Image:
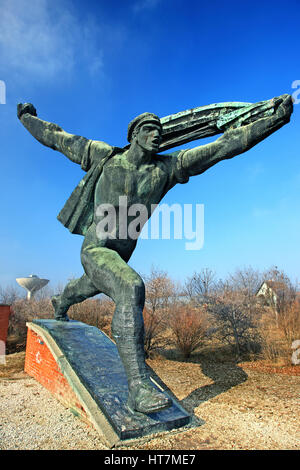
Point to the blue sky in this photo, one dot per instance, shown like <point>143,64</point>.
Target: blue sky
<point>93,66</point>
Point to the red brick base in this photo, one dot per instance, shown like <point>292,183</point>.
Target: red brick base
<point>40,364</point>
<point>4,321</point>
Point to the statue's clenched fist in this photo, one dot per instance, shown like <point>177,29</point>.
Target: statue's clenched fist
<point>285,108</point>
<point>25,108</point>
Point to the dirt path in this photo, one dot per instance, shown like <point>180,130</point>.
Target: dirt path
<point>241,408</point>
<point>237,408</point>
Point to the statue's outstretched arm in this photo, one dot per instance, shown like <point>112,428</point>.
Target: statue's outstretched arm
<point>52,135</point>
<point>236,141</point>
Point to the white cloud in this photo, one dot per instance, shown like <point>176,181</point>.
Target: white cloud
<point>140,5</point>
<point>44,38</point>
<point>261,212</point>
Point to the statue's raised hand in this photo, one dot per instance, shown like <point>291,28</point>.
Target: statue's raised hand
<point>285,108</point>
<point>25,108</point>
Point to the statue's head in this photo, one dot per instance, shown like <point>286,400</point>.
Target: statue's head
<point>146,130</point>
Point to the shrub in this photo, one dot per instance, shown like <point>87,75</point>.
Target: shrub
<point>189,327</point>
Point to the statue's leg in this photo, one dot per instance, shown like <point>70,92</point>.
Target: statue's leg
<point>112,276</point>
<point>76,291</point>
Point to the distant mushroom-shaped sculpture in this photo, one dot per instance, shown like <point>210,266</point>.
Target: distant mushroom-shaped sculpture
<point>32,284</point>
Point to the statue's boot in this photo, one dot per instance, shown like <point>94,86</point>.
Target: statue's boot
<point>77,290</point>
<point>60,310</point>
<point>143,396</point>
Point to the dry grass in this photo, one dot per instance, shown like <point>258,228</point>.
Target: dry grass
<point>14,365</point>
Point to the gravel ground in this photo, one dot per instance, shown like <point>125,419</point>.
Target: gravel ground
<point>238,408</point>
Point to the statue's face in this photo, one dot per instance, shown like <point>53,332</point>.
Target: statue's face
<point>149,137</point>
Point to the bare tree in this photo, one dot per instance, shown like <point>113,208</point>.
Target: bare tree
<point>235,326</point>
<point>289,322</point>
<point>25,311</point>
<point>160,291</point>
<point>246,280</point>
<point>9,294</point>
<point>200,286</point>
